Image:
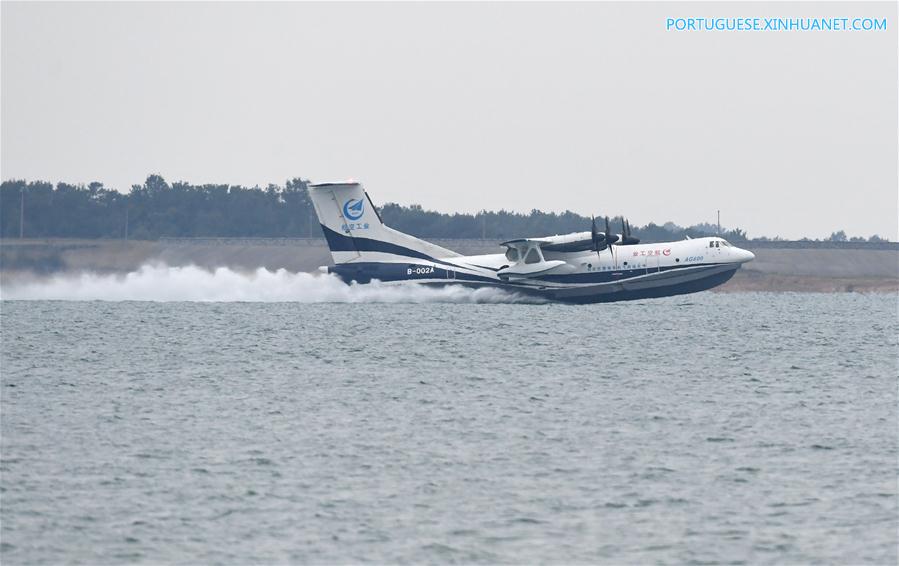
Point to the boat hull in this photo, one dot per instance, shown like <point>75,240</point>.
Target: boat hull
<point>637,285</point>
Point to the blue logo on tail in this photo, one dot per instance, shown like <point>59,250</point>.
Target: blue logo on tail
<point>353,209</point>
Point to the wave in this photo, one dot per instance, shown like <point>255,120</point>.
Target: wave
<point>161,283</point>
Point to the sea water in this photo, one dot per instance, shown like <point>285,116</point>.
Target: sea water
<point>297,420</point>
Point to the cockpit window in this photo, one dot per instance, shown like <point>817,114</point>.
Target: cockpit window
<point>532,257</point>
<point>711,244</point>
<point>512,254</point>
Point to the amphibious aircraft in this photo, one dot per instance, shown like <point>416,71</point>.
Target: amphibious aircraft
<point>584,267</point>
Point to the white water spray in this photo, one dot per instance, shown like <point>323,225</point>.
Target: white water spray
<point>161,283</point>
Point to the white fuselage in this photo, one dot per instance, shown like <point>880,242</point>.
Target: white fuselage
<point>646,257</point>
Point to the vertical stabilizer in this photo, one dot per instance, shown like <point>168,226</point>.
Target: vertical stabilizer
<point>355,232</point>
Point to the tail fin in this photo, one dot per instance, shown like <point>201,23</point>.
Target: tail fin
<point>355,232</point>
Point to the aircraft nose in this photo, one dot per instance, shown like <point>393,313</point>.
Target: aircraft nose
<point>746,255</point>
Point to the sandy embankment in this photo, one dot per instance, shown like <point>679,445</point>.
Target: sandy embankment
<point>778,267</point>
<point>823,270</point>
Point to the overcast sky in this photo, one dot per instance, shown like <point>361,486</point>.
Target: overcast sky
<point>460,107</point>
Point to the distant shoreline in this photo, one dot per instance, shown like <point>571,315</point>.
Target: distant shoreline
<point>782,266</point>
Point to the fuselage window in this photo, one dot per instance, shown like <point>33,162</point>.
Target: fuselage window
<point>532,257</point>
<point>512,254</point>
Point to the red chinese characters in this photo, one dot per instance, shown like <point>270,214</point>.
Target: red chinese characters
<point>666,251</point>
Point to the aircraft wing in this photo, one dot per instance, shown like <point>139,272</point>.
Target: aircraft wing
<point>576,242</point>
<point>525,243</point>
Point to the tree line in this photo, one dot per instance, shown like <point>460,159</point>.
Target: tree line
<point>157,209</point>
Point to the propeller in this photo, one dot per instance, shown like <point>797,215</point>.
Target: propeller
<point>610,237</point>
<point>602,240</point>
<point>599,242</point>
<point>605,240</point>
<point>626,238</point>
